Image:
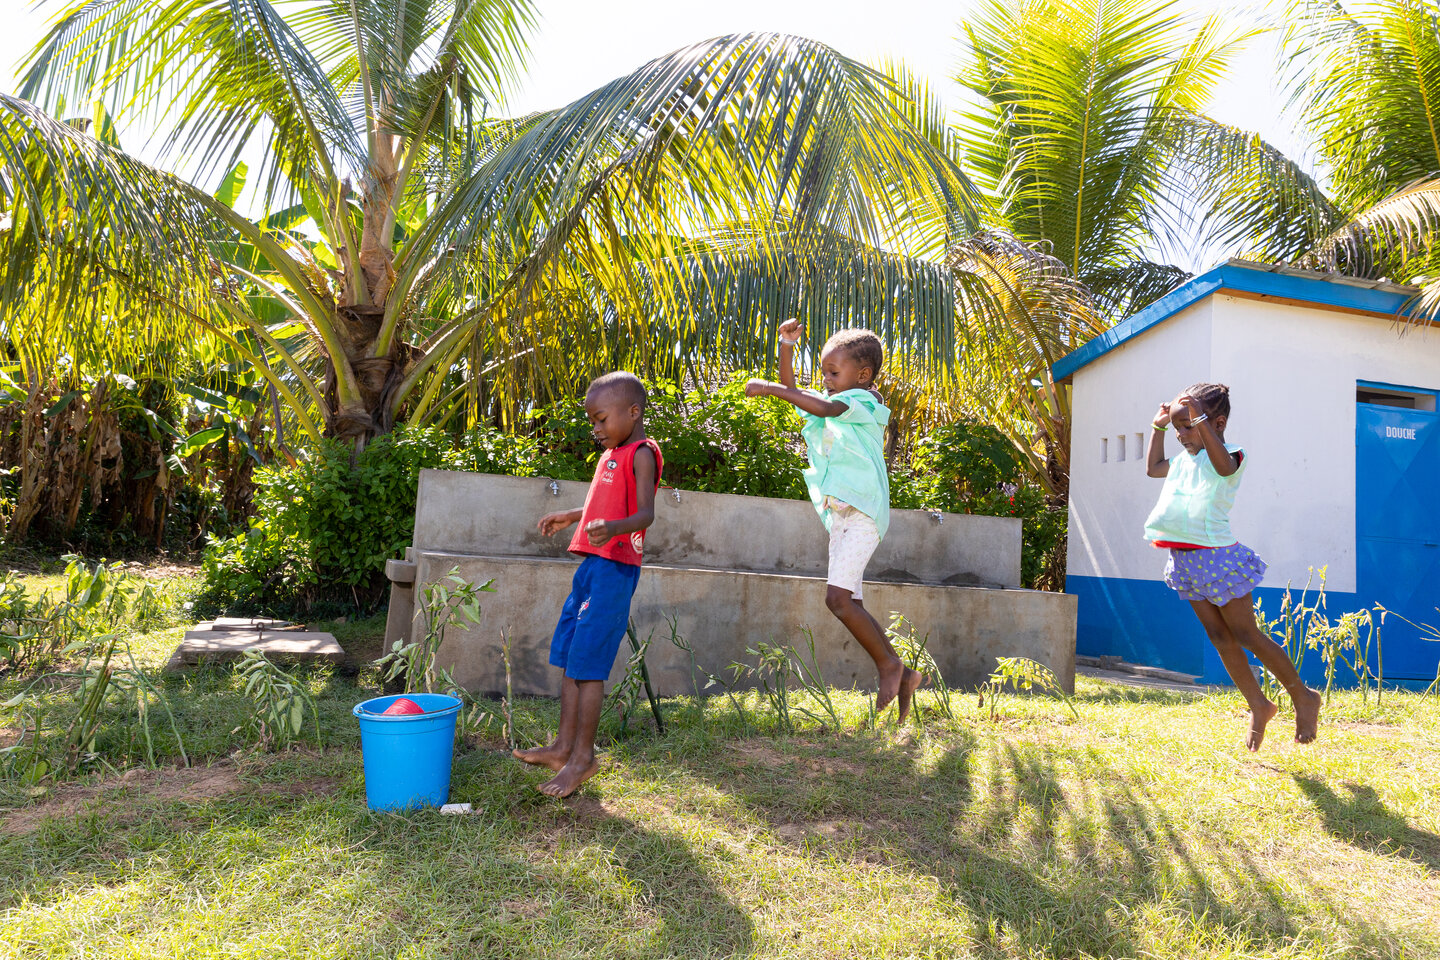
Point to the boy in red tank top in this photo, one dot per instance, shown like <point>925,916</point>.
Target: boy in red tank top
<point>611,538</point>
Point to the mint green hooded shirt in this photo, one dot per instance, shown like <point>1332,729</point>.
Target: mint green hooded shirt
<point>847,457</point>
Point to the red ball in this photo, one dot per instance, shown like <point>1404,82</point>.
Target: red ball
<point>402,706</point>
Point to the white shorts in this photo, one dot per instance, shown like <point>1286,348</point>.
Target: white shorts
<point>853,539</point>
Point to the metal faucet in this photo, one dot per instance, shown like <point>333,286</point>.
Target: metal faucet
<point>937,516</point>
<point>554,488</point>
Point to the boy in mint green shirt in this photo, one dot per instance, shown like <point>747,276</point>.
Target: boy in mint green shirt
<point>845,438</point>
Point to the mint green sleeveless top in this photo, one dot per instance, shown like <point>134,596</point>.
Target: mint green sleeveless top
<point>1195,502</point>
<point>847,457</point>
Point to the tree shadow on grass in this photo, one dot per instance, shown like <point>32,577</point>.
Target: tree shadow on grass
<point>1362,821</point>
<point>617,884</point>
<point>694,917</point>
<point>1052,854</point>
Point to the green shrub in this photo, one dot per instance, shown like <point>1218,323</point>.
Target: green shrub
<point>724,442</point>
<point>324,528</point>
<point>969,467</point>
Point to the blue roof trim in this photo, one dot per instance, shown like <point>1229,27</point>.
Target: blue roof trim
<point>1311,289</point>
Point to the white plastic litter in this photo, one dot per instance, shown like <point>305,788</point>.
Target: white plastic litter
<point>455,808</point>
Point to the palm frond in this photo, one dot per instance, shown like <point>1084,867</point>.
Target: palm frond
<point>1076,99</point>
<point>1368,79</point>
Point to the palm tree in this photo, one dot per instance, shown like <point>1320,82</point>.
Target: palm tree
<point>1368,79</point>
<point>422,256</point>
<point>1088,135</point>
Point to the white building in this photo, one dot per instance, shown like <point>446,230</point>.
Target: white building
<point>1334,403</point>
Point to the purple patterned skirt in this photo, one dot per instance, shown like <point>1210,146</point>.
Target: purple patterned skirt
<point>1216,574</point>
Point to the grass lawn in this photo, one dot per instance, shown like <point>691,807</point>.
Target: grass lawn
<point>1142,829</point>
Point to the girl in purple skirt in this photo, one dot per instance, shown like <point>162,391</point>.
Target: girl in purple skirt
<point>1208,566</point>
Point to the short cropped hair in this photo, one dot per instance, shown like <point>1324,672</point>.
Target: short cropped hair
<point>1214,398</point>
<point>862,346</point>
<point>628,385</point>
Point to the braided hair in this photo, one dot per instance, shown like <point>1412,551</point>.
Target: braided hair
<point>1214,398</point>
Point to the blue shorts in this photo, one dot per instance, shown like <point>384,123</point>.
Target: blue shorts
<point>594,618</point>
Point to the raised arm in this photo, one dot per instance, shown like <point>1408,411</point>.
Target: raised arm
<point>789,336</point>
<point>809,402</point>
<point>786,389</point>
<point>1156,463</point>
<point>1221,459</point>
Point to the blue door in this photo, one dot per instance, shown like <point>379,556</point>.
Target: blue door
<point>1397,528</point>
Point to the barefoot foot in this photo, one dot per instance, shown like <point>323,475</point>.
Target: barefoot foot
<point>552,756</point>
<point>568,780</point>
<point>889,685</point>
<point>1307,714</point>
<point>912,680</point>
<point>1259,716</point>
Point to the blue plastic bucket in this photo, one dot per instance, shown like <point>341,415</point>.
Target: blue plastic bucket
<point>407,756</point>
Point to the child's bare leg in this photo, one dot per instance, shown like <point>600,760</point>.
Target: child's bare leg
<point>581,764</point>
<point>872,639</point>
<point>1239,615</point>
<point>555,754</point>
<point>1232,654</point>
<point>910,681</point>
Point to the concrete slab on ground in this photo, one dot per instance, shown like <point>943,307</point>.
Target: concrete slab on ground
<point>246,623</point>
<point>1137,680</point>
<point>202,645</point>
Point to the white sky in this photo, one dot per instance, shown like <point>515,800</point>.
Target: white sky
<point>580,44</point>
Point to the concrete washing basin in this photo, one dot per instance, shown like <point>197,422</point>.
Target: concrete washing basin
<point>733,571</point>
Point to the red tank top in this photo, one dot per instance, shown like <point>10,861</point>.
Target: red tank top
<point>612,497</point>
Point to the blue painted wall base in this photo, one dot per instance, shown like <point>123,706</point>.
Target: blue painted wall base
<point>1144,621</point>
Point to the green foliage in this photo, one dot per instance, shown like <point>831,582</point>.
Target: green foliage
<point>451,601</point>
<point>722,442</point>
<point>280,702</point>
<point>1353,641</point>
<point>108,678</point>
<point>914,650</point>
<point>625,696</point>
<point>97,597</point>
<point>324,527</point>
<point>1021,674</point>
<point>969,467</point>
<point>778,668</point>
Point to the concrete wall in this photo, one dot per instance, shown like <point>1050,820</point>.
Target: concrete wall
<point>720,613</point>
<point>483,513</point>
<point>735,571</point>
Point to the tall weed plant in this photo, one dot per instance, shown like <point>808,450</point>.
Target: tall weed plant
<point>95,597</point>
<point>1349,647</point>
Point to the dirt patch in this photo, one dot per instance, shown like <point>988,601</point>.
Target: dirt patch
<point>527,907</point>
<point>759,754</point>
<point>162,569</point>
<point>588,808</point>
<point>826,829</point>
<point>169,784</point>
<point>830,766</point>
